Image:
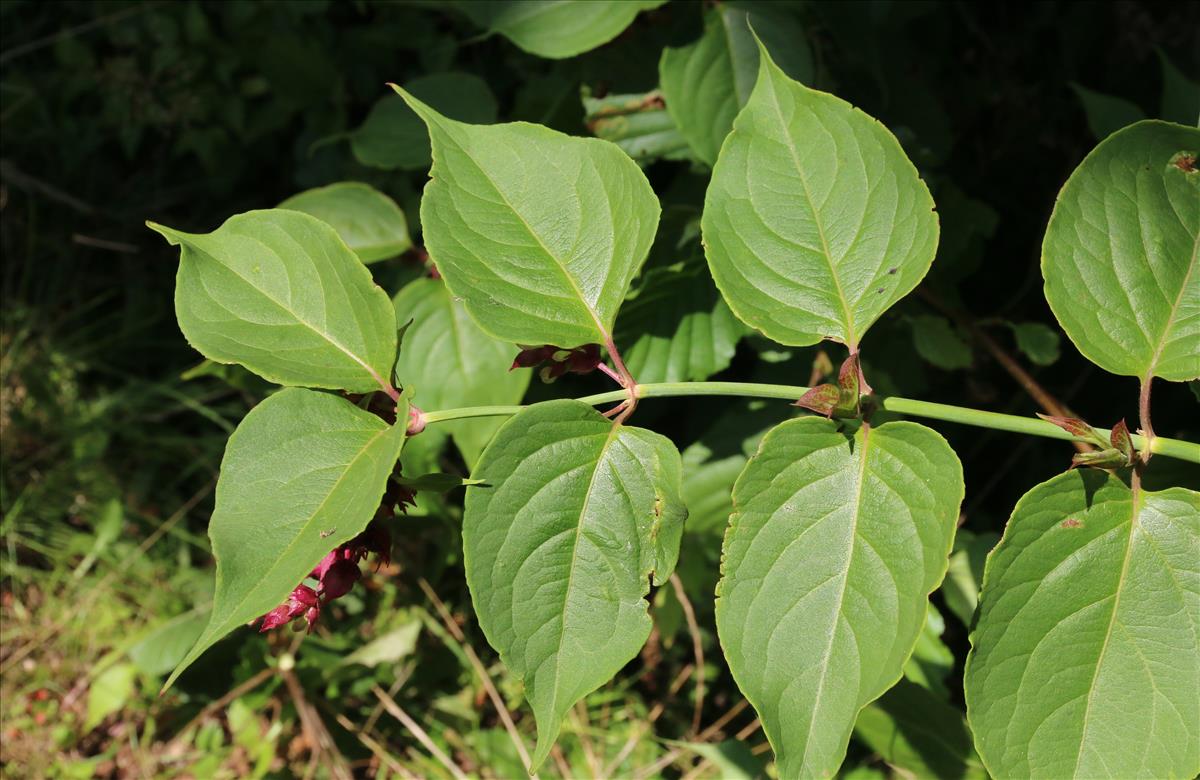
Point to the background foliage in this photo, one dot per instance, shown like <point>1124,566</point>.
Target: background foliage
<point>187,112</point>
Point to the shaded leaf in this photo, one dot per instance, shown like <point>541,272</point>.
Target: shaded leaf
<point>370,223</point>
<point>450,362</point>
<point>557,29</point>
<point>918,733</point>
<point>1038,342</point>
<point>639,124</point>
<point>393,136</point>
<point>938,342</point>
<point>109,692</point>
<point>677,327</point>
<point>964,578</point>
<point>1106,114</point>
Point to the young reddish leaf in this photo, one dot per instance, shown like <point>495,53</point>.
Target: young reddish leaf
<point>822,399</point>
<point>1119,437</point>
<point>848,387</point>
<point>1077,427</point>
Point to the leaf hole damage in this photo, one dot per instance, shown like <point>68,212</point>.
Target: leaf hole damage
<point>1185,161</point>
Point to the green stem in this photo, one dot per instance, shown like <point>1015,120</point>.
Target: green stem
<point>1172,448</point>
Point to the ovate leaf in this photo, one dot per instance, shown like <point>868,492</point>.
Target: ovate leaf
<point>303,473</point>
<point>560,547</point>
<point>918,733</point>
<point>938,342</point>
<point>538,233</point>
<point>706,82</point>
<point>678,327</point>
<point>557,29</point>
<point>280,293</point>
<point>1120,254</point>
<point>1085,660</point>
<point>1038,342</point>
<point>392,136</point>
<point>450,363</point>
<point>370,223</point>
<point>834,546</point>
<point>815,222</point>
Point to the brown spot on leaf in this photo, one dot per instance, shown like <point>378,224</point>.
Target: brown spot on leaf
<point>1071,522</point>
<point>1185,161</point>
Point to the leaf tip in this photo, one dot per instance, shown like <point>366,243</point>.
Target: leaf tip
<point>174,237</point>
<point>427,113</point>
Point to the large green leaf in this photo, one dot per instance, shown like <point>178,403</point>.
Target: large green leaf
<point>392,136</point>
<point>559,547</point>
<point>1085,660</point>
<point>815,222</point>
<point>918,733</point>
<point>450,362</point>
<point>280,293</point>
<point>834,546</point>
<point>1120,257</point>
<point>537,232</point>
<point>706,82</point>
<point>370,223</point>
<point>678,327</point>
<point>303,473</point>
<point>557,29</point>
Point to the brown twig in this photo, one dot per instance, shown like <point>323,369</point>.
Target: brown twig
<point>1050,405</point>
<point>481,671</point>
<point>704,736</point>
<point>655,713</point>
<point>376,749</point>
<point>414,728</point>
<point>689,615</point>
<point>315,733</point>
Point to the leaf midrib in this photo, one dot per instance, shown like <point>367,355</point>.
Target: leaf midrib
<point>851,342</point>
<point>853,535</point>
<point>1171,321</point>
<point>287,549</point>
<point>1135,508</point>
<point>559,264</point>
<point>334,342</point>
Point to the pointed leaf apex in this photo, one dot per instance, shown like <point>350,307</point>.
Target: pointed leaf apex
<point>174,237</point>
<point>427,113</point>
<point>1077,427</point>
<point>1121,441</point>
<point>822,399</point>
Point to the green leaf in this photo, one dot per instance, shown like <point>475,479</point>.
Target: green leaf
<point>393,136</point>
<point>733,759</point>
<point>1120,254</point>
<point>303,473</point>
<point>815,222</point>
<point>280,293</point>
<point>450,362</point>
<point>1106,114</point>
<point>964,578</point>
<point>1180,95</point>
<point>1085,660</point>
<point>708,81</point>
<point>833,548</point>
<point>164,647</point>
<point>1039,343</point>
<point>918,733</point>
<point>538,233</point>
<point>557,29</point>
<point>436,483</point>
<point>638,124</point>
<point>677,327</point>
<point>370,223</point>
<point>560,548</point>
<point>938,342</point>
<point>389,647</point>
<point>109,692</point>
<point>931,661</point>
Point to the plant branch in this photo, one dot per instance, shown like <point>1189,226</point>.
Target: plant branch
<point>1031,426</point>
<point>1147,430</point>
<point>1050,405</point>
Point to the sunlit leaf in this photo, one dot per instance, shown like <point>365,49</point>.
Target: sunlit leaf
<point>834,545</point>
<point>1120,254</point>
<point>1085,660</point>
<point>280,293</point>
<point>560,547</point>
<point>815,222</point>
<point>370,223</point>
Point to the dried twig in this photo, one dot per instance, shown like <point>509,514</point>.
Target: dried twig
<point>689,615</point>
<point>414,728</point>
